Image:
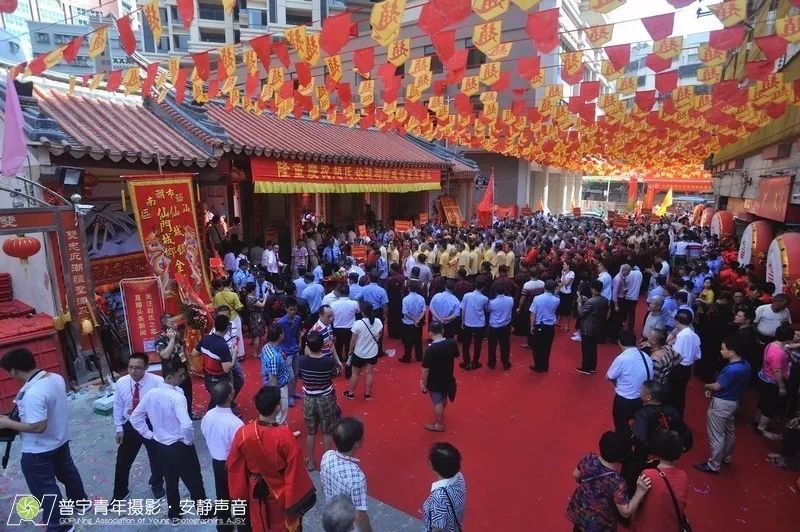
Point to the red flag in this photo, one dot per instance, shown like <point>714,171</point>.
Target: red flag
<point>727,38</point>
<point>773,46</point>
<point>502,82</point>
<point>633,188</point>
<point>518,107</point>
<point>71,50</point>
<point>439,86</point>
<point>587,112</point>
<point>37,65</point>
<point>656,63</point>
<point>454,77</point>
<point>202,65</point>
<point>386,72</point>
<point>364,59</point>
<point>303,73</point>
<point>114,80</point>
<point>619,55</point>
<point>462,104</point>
<point>180,85</point>
<point>445,43</point>
<point>759,70</point>
<point>660,26</point>
<point>666,81</point>
<point>126,37</point>
<point>260,46</point>
<point>147,84</point>
<point>590,90</point>
<point>430,21</point>
<point>345,96</point>
<point>281,52</point>
<point>677,4</point>
<point>457,62</point>
<point>487,202</point>
<point>250,85</point>
<point>335,33</point>
<point>645,100</point>
<point>542,28</point>
<point>213,88</point>
<point>528,67</point>
<point>775,110</point>
<point>453,11</point>
<point>186,12</point>
<point>287,89</point>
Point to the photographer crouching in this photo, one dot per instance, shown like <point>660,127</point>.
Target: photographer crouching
<point>42,427</point>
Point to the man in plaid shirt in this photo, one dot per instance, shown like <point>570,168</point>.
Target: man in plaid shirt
<point>340,472</point>
<point>274,370</point>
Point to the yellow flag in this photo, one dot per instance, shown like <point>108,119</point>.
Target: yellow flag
<point>153,16</point>
<point>131,80</point>
<point>668,48</point>
<point>599,35</point>
<point>489,9</point>
<point>228,5</point>
<point>97,44</point>
<point>486,36</point>
<point>605,6</point>
<point>227,60</point>
<point>661,210</point>
<point>385,20</point>
<point>312,51</point>
<point>250,59</point>
<point>96,80</point>
<point>499,52</point>
<point>525,5</point>
<point>297,38</point>
<point>730,12</point>
<point>788,28</point>
<point>334,65</point>
<point>399,51</point>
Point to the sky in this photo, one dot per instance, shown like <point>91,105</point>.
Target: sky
<point>686,21</point>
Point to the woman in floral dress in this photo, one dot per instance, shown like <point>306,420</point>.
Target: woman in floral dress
<point>255,308</point>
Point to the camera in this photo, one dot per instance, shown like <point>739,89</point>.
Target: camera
<point>8,435</point>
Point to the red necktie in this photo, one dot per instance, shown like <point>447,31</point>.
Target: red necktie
<point>135,402</point>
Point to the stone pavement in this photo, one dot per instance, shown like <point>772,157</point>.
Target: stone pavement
<point>94,452</point>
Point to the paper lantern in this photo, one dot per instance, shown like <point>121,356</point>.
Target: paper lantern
<point>697,214</point>
<point>21,247</point>
<point>8,6</point>
<point>722,225</point>
<point>756,239</point>
<point>783,268</point>
<point>708,214</point>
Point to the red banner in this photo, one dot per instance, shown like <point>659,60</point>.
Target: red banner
<point>359,253</point>
<point>362,230</point>
<point>280,176</point>
<point>143,306</point>
<point>402,226</point>
<point>773,199</point>
<point>164,207</point>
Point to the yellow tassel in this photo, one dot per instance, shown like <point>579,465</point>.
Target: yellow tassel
<point>124,205</point>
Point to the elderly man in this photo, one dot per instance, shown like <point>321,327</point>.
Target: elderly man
<point>655,318</point>
<point>339,515</point>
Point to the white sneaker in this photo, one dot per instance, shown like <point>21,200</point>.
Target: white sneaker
<point>576,337</point>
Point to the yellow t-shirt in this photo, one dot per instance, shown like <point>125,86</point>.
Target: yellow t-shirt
<point>230,299</point>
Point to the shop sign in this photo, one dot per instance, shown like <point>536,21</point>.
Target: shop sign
<point>773,198</point>
<point>402,226</point>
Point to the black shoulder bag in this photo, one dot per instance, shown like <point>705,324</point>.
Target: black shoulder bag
<point>644,361</point>
<point>683,523</point>
<point>380,346</point>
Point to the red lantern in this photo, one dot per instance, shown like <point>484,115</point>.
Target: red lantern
<point>8,6</point>
<point>21,247</point>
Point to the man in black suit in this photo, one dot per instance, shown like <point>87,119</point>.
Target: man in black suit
<point>593,312</point>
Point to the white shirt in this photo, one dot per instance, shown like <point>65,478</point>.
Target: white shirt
<point>767,320</point>
<point>605,278</point>
<point>629,372</point>
<point>341,475</point>
<point>633,284</point>
<point>165,407</point>
<point>356,269</point>
<point>344,312</point>
<point>269,260</point>
<point>230,262</point>
<point>219,426</point>
<point>567,277</point>
<point>687,345</point>
<point>123,395</point>
<point>366,344</point>
<point>409,265</point>
<point>329,298</point>
<point>664,269</point>
<point>43,398</point>
<point>680,247</point>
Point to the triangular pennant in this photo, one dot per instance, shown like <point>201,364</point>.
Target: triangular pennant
<point>657,63</point>
<point>71,50</point>
<point>281,50</point>
<point>335,33</point>
<point>203,65</point>
<point>261,46</point>
<point>127,39</point>
<point>729,38</point>
<point>186,12</point>
<point>452,11</point>
<point>618,55</point>
<point>660,26</point>
<point>542,28</point>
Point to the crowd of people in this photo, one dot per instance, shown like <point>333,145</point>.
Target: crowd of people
<point>318,314</point>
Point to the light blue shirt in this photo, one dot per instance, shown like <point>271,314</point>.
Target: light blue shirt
<point>474,307</point>
<point>241,278</point>
<point>356,269</point>
<point>629,371</point>
<point>669,309</point>
<point>545,307</point>
<point>500,309</point>
<point>375,296</point>
<point>355,291</point>
<point>445,304</point>
<point>300,283</point>
<point>657,291</point>
<point>314,293</point>
<point>413,308</point>
<point>383,268</point>
<point>605,278</point>
<point>317,273</point>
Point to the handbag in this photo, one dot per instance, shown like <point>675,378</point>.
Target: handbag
<point>380,347</point>
<point>683,523</point>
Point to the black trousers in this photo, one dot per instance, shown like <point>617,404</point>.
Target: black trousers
<point>623,411</point>
<point>222,494</point>
<point>451,328</point>
<point>678,379</point>
<point>412,340</point>
<point>627,311</point>
<point>342,343</point>
<point>179,461</point>
<point>186,386</point>
<point>501,335</point>
<point>541,341</point>
<point>467,336</point>
<point>127,452</point>
<point>588,352</point>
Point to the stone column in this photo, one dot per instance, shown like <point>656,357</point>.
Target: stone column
<point>545,191</point>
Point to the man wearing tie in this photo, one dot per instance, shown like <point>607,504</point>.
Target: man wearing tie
<point>128,394</point>
<point>219,426</point>
<point>413,315</point>
<point>173,434</point>
<point>543,321</point>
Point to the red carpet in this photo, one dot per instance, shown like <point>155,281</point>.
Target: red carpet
<point>521,435</point>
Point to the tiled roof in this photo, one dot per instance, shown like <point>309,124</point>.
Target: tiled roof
<point>462,166</point>
<point>107,126</point>
<point>305,139</point>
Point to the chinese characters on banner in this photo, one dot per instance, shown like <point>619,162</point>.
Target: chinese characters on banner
<point>359,253</point>
<point>143,306</point>
<point>164,207</point>
<point>402,226</point>
<point>76,266</point>
<point>452,212</point>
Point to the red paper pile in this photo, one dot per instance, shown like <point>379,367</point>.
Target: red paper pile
<point>6,293</point>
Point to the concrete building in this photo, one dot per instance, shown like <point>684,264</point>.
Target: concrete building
<point>16,23</point>
<point>212,27</point>
<point>44,37</point>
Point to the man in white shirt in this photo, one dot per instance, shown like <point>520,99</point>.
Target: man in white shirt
<point>42,426</point>
<point>770,317</point>
<point>687,345</point>
<point>271,261</point>
<point>604,277</point>
<point>632,287</point>
<point>628,371</point>
<point>344,317</point>
<point>340,472</point>
<point>219,426</point>
<point>128,393</point>
<point>173,433</point>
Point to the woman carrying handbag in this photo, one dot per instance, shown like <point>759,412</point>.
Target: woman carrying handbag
<point>364,350</point>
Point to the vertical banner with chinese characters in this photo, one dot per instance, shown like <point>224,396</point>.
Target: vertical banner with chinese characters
<point>143,305</point>
<point>164,207</point>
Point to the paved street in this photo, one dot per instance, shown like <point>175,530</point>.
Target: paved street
<point>93,449</point>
